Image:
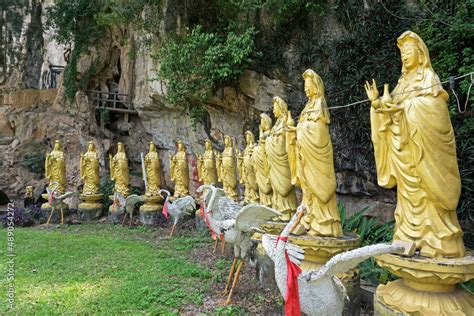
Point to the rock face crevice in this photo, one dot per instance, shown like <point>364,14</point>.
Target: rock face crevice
<point>122,64</point>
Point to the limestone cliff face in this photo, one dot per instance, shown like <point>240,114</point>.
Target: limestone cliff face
<point>40,116</point>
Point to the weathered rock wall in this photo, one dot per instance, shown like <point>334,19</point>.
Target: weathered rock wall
<point>124,66</point>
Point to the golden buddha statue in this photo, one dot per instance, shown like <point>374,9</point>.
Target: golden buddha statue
<point>228,170</point>
<point>89,170</point>
<point>415,151</point>
<point>180,171</point>
<point>247,170</point>
<point>55,168</point>
<point>261,167</point>
<point>284,196</point>
<point>153,171</point>
<point>119,170</point>
<point>311,160</point>
<point>207,165</point>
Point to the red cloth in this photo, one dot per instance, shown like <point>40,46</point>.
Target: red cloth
<point>292,299</point>
<point>165,209</point>
<point>206,219</point>
<point>50,200</point>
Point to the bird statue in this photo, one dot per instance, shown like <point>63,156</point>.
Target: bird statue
<point>239,232</point>
<point>56,200</point>
<point>129,206</point>
<point>317,292</point>
<point>179,208</point>
<point>217,210</point>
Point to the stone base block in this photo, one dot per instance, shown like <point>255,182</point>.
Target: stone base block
<point>90,211</point>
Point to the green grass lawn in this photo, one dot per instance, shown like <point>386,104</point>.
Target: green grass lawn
<point>103,269</point>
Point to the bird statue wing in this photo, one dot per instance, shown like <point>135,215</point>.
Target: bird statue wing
<point>253,215</point>
<point>185,204</point>
<point>269,243</point>
<point>130,202</point>
<point>228,224</point>
<point>67,195</point>
<point>350,259</point>
<point>228,208</point>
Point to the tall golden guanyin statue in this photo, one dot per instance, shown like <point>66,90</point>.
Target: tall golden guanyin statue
<point>247,170</point>
<point>180,171</point>
<point>153,171</point>
<point>89,170</point>
<point>228,173</point>
<point>311,160</point>
<point>119,171</point>
<point>284,196</point>
<point>55,168</point>
<point>261,167</point>
<point>207,165</point>
<point>415,151</point>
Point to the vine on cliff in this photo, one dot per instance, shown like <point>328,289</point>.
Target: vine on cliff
<point>195,64</point>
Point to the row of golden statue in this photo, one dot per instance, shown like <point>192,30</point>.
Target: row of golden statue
<point>415,152</point>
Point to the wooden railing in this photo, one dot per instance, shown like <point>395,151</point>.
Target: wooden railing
<point>112,101</point>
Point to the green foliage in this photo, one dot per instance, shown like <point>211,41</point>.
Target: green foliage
<point>195,64</point>
<point>106,189</point>
<point>370,232</point>
<point>34,158</point>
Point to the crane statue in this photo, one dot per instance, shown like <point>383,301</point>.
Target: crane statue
<point>317,292</point>
<point>179,208</point>
<point>129,205</point>
<point>56,200</point>
<point>218,209</point>
<point>239,232</point>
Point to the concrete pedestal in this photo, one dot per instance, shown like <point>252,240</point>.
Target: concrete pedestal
<point>91,207</point>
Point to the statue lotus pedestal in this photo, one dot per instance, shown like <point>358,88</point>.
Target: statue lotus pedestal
<point>46,210</point>
<point>91,207</point>
<point>427,286</point>
<point>149,210</point>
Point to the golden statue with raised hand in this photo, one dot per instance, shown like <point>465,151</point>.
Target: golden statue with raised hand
<point>207,165</point>
<point>153,171</point>
<point>261,167</point>
<point>284,196</point>
<point>89,170</point>
<point>55,168</point>
<point>180,171</point>
<point>228,169</point>
<point>247,170</point>
<point>415,151</point>
<point>311,160</point>
<point>119,170</point>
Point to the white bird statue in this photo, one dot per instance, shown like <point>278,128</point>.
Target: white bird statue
<point>217,210</point>
<point>239,232</point>
<point>129,205</point>
<point>317,292</point>
<point>56,200</point>
<point>179,208</point>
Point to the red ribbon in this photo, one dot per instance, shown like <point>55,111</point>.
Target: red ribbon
<point>206,219</point>
<point>201,207</point>
<point>51,198</point>
<point>292,299</point>
<point>165,209</point>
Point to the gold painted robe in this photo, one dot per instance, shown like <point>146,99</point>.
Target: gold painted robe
<point>229,174</point>
<point>180,174</point>
<point>284,196</point>
<point>261,174</point>
<point>119,173</point>
<point>89,170</point>
<point>315,171</point>
<point>415,150</point>
<point>153,173</point>
<point>55,169</point>
<point>248,177</point>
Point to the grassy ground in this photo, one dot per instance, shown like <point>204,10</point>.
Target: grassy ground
<point>104,269</point>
